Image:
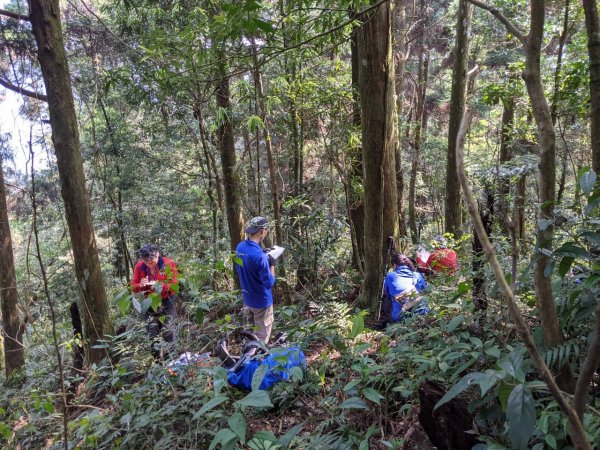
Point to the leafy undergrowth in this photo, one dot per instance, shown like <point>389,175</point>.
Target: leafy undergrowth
<point>360,389</point>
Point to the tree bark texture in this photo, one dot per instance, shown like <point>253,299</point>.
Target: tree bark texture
<point>12,325</point>
<point>356,200</point>
<point>592,24</point>
<point>401,55</point>
<point>231,179</point>
<point>547,167</point>
<point>46,27</point>
<point>453,215</point>
<point>376,90</point>
<point>508,119</point>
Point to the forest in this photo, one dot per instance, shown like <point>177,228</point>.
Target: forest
<point>361,136</point>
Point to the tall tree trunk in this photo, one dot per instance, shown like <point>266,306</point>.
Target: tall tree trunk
<point>420,124</point>
<point>401,52</point>
<point>272,176</point>
<point>592,25</point>
<point>12,326</point>
<point>547,166</point>
<point>453,215</point>
<point>231,179</point>
<point>508,119</point>
<point>46,27</point>
<point>355,196</point>
<point>376,82</point>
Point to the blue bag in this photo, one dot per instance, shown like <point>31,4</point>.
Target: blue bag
<point>277,371</point>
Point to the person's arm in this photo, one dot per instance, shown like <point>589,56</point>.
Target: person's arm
<point>266,272</point>
<point>139,280</point>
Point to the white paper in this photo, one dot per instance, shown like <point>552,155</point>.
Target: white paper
<point>275,251</point>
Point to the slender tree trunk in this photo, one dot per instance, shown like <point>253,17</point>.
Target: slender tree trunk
<point>46,27</point>
<point>272,176</point>
<point>401,52</point>
<point>420,125</point>
<point>453,212</point>
<point>355,196</point>
<point>376,81</point>
<point>231,179</point>
<point>508,118</point>
<point>592,24</point>
<point>547,166</point>
<point>12,325</point>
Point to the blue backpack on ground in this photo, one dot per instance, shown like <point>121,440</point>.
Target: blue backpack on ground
<point>278,364</point>
<point>278,361</point>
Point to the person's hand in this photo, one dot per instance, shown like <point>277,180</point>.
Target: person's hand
<point>144,281</point>
<point>271,260</point>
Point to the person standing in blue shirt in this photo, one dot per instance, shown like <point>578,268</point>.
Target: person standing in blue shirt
<point>257,277</point>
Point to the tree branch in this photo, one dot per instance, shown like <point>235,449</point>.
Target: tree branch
<point>586,374</point>
<point>576,430</point>
<point>22,91</point>
<point>13,15</point>
<point>507,23</point>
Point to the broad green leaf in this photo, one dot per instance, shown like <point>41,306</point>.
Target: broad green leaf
<point>146,304</point>
<point>210,405</point>
<point>354,403</point>
<point>587,181</point>
<point>592,237</point>
<point>124,304</point>
<point>551,441</point>
<point>520,413</point>
<point>358,326</point>
<point>572,250</point>
<point>455,322</point>
<point>225,437</point>
<point>351,384</point>
<point>503,393</point>
<point>465,382</point>
<point>237,423</point>
<point>372,395</point>
<point>258,376</point>
<point>565,265</point>
<point>287,438</point>
<point>257,399</point>
<point>296,373</point>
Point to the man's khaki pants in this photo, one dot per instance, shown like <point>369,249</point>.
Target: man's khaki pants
<point>262,319</point>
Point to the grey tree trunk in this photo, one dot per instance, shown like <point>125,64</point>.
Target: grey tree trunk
<point>376,91</point>
<point>12,325</point>
<point>453,215</point>
<point>46,27</point>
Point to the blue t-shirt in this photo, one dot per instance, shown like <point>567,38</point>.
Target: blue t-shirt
<point>256,279</point>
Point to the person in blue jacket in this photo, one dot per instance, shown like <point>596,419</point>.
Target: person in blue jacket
<point>402,287</point>
<point>257,277</point>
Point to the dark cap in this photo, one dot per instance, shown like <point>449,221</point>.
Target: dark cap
<point>257,224</point>
<point>148,251</point>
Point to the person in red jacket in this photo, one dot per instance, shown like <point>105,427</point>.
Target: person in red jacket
<point>442,259</point>
<point>155,273</point>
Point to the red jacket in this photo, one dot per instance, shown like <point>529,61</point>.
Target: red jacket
<point>165,272</point>
<point>443,260</point>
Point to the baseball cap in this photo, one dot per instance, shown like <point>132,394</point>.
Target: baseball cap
<point>256,224</point>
